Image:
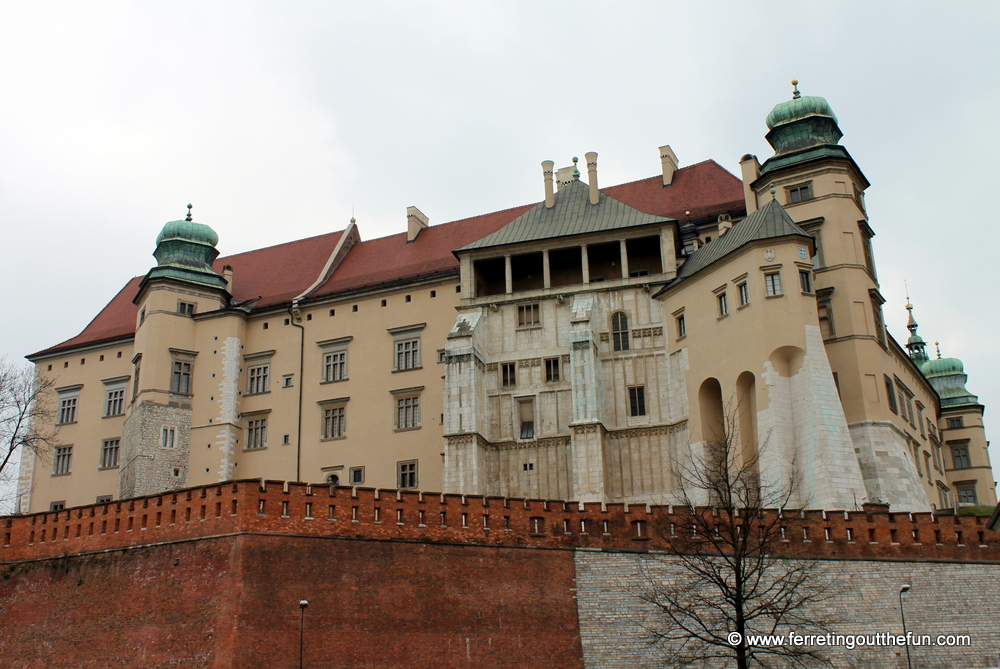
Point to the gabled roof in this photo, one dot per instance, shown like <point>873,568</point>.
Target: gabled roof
<point>391,259</point>
<point>768,222</point>
<point>277,274</point>
<point>703,189</point>
<point>572,214</point>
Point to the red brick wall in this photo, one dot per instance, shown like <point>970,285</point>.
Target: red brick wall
<point>274,508</point>
<point>232,603</point>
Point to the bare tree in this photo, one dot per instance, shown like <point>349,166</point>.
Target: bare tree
<point>26,416</point>
<point>723,574</point>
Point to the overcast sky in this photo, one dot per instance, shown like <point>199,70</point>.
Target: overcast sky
<point>277,120</point>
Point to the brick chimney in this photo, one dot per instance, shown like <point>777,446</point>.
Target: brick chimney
<point>668,160</point>
<point>550,198</point>
<point>415,222</point>
<point>595,195</point>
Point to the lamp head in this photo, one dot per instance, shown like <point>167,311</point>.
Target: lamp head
<point>304,603</point>
<point>904,588</point>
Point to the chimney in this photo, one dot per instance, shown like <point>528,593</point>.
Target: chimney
<point>668,160</point>
<point>415,222</point>
<point>550,197</point>
<point>595,195</point>
<point>725,222</point>
<point>227,274</point>
<point>749,171</point>
<point>567,175</point>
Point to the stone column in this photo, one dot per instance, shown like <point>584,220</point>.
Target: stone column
<point>508,277</point>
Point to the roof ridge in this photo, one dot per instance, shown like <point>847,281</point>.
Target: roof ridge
<point>679,169</point>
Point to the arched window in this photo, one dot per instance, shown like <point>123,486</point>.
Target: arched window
<point>619,331</point>
<point>333,479</point>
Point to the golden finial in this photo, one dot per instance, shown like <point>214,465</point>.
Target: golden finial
<point>937,345</point>
<point>795,89</point>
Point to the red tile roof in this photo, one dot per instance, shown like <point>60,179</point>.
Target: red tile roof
<point>705,189</point>
<point>279,273</point>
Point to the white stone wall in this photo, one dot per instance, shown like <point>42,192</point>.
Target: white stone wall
<point>229,427</point>
<point>805,434</point>
<point>887,466</point>
<point>146,467</point>
<point>946,598</point>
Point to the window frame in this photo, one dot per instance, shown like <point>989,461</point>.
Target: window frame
<point>960,460</point>
<point>407,347</point>
<point>62,460</point>
<point>552,371</point>
<point>110,451</point>
<point>334,359</point>
<point>406,409</point>
<point>620,341</point>
<point>508,374</point>
<point>801,192</point>
<point>69,404</point>
<point>743,290</point>
<point>407,474</point>
<point>353,475</point>
<point>637,401</point>
<point>333,425</point>
<point>182,372</point>
<point>772,284</point>
<point>185,308</point>
<point>259,379</point>
<point>255,432</point>
<point>529,315</point>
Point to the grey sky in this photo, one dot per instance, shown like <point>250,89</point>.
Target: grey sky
<point>275,119</point>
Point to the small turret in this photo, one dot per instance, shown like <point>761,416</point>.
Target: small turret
<point>915,344</point>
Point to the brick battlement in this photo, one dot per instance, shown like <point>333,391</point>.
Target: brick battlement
<point>277,508</point>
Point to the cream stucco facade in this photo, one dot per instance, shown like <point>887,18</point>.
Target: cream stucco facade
<point>578,349</point>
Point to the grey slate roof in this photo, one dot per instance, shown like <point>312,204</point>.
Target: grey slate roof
<point>768,222</point>
<point>572,214</point>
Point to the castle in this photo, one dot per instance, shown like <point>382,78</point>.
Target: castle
<point>602,336</point>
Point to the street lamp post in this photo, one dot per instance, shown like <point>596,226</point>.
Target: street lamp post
<point>302,626</point>
<point>902,589</point>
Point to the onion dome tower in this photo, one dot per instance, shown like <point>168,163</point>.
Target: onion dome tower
<point>184,252</point>
<point>948,377</point>
<point>802,129</point>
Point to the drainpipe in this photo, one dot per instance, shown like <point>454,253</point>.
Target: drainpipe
<point>294,312</point>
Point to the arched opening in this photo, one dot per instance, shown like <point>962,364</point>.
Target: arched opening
<point>787,360</point>
<point>746,410</point>
<point>619,331</point>
<point>713,425</point>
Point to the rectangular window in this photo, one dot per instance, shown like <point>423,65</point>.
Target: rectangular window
<point>527,315</point>
<point>744,291</point>
<point>890,394</point>
<point>954,423</point>
<point>357,475</point>
<point>258,380</point>
<point>966,495</point>
<point>407,413</point>
<point>681,327</point>
<point>508,375</point>
<point>256,434</point>
<point>168,437</point>
<point>335,366</point>
<point>62,461</point>
<point>526,417</point>
<point>114,404</point>
<point>407,474</point>
<point>637,401</point>
<point>104,499</point>
<point>805,281</point>
<point>186,308</point>
<point>67,410</point>
<point>772,284</point>
<point>334,422</point>
<point>960,456</point>
<point>723,301</point>
<point>408,354</point>
<point>799,193</point>
<point>180,381</point>
<point>551,370</point>
<point>109,453</point>
<point>57,506</point>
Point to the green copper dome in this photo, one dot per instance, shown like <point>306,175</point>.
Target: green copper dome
<point>798,108</point>
<point>948,377</point>
<point>801,127</point>
<point>188,231</point>
<point>185,251</point>
<point>942,367</point>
